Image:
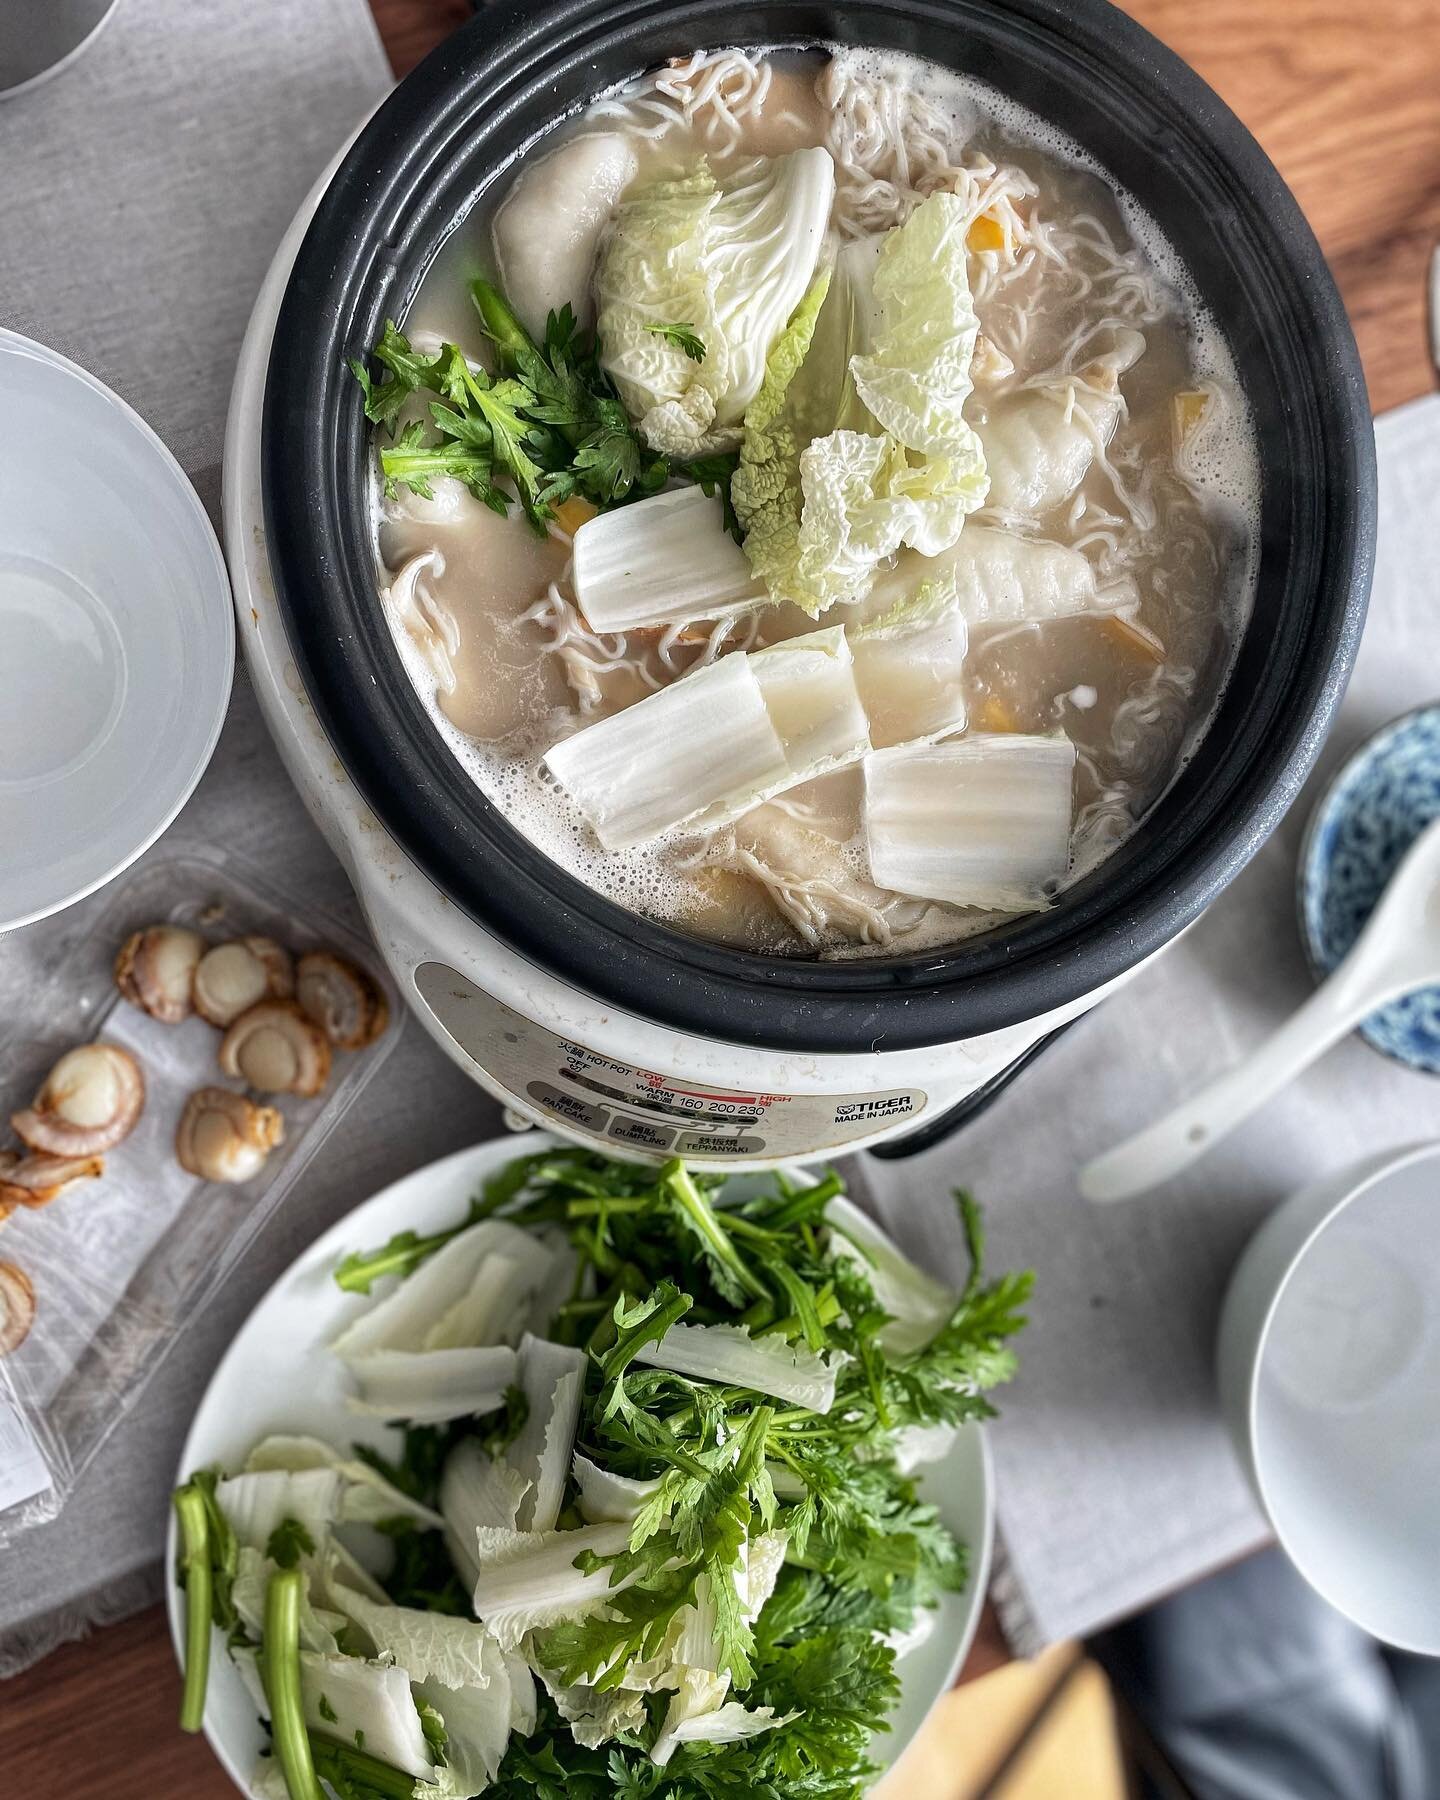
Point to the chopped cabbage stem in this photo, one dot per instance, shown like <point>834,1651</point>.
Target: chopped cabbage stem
<point>192,1513</point>
<point>352,1771</point>
<point>978,821</point>
<point>280,1670</point>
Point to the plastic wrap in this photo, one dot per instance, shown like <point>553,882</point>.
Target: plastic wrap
<point>119,1264</point>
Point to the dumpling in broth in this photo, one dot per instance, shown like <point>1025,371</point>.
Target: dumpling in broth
<point>548,231</point>
<point>1040,442</point>
<point>1000,578</point>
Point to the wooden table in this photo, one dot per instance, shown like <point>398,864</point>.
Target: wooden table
<point>1343,97</point>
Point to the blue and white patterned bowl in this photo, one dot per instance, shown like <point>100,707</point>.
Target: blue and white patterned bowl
<point>1379,803</point>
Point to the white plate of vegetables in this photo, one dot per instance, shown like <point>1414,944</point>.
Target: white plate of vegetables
<point>550,1475</point>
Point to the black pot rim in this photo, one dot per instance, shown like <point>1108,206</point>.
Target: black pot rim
<point>362,257</point>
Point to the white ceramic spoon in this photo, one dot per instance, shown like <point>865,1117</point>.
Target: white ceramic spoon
<point>1397,952</point>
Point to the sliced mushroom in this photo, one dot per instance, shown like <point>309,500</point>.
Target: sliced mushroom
<point>156,968</point>
<point>223,1136</point>
<point>37,1180</point>
<point>17,1307</point>
<point>277,1049</point>
<point>342,1000</point>
<point>233,977</point>
<point>90,1101</point>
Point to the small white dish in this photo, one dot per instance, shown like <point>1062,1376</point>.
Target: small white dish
<point>1329,1372</point>
<point>279,1376</point>
<point>117,640</point>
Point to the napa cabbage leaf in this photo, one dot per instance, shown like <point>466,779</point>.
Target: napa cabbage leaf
<point>732,259</point>
<point>856,445</point>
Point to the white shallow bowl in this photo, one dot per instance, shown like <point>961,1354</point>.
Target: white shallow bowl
<point>1329,1371</point>
<point>117,641</point>
<point>278,1376</point>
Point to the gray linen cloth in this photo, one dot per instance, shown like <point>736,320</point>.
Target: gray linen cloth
<point>1115,1479</point>
<point>144,193</point>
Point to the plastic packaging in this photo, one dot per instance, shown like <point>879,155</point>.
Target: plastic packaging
<point>119,1264</point>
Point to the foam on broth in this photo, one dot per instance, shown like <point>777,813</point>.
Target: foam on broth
<point>792,877</point>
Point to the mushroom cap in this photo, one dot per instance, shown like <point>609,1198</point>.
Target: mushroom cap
<point>342,999</point>
<point>39,1179</point>
<point>155,969</point>
<point>225,1136</point>
<point>233,977</point>
<point>277,1049</point>
<point>17,1307</point>
<point>90,1102</point>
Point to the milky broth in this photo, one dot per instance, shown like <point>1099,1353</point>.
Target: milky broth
<point>489,640</point>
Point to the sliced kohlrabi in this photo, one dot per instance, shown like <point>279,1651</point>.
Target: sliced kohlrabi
<point>910,667</point>
<point>427,1386</point>
<point>663,561</point>
<point>809,686</point>
<point>729,259</point>
<point>439,1304</point>
<point>979,821</point>
<point>728,1355</point>
<point>700,751</point>
<point>369,1703</point>
<point>917,1304</point>
<point>552,1379</point>
<point>366,1498</point>
<point>477,1490</point>
<point>529,1579</point>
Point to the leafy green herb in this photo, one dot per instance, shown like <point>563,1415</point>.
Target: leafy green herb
<point>326,1710</point>
<point>712,474</point>
<point>405,1252</point>
<point>422,1458</point>
<point>735,1479</point>
<point>685,338</point>
<point>433,1726</point>
<point>548,427</point>
<point>422,1574</point>
<point>224,1551</point>
<point>354,1775</point>
<point>288,1542</point>
<point>502,1430</point>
